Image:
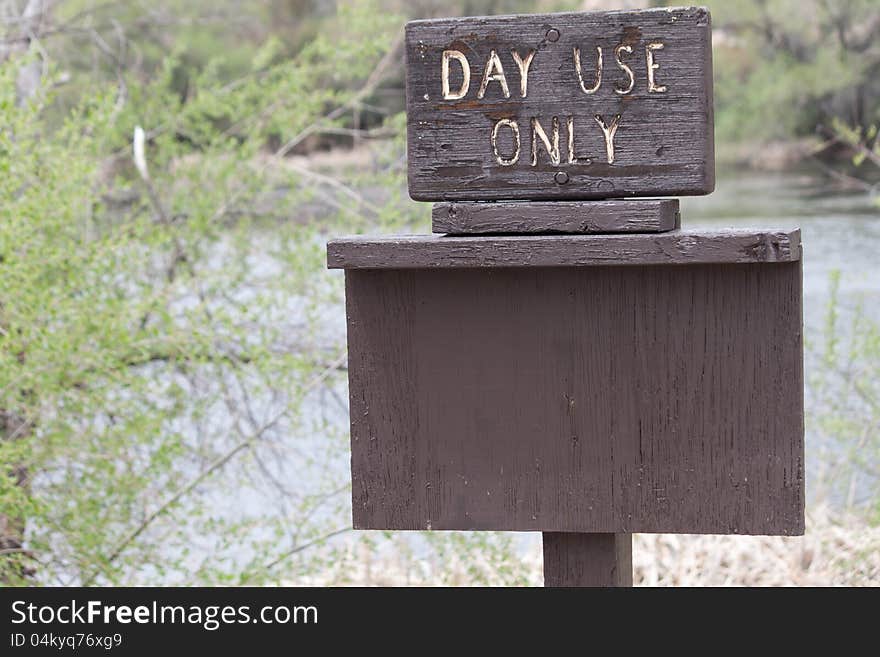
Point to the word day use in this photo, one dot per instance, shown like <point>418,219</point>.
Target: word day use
<point>494,71</point>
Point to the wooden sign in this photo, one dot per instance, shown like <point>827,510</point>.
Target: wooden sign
<point>563,359</point>
<point>577,383</point>
<point>560,106</point>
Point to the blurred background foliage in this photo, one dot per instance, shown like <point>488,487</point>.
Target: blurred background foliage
<point>784,69</point>
<point>172,365</point>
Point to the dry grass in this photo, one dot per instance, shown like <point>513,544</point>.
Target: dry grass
<point>835,551</point>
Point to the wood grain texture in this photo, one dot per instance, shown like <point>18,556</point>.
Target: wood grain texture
<point>630,216</point>
<point>675,247</point>
<point>579,560</point>
<point>663,145</point>
<point>578,399</point>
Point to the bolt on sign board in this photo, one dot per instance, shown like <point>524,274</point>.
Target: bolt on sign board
<point>560,106</point>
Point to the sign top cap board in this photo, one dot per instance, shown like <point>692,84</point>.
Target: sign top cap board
<point>560,106</point>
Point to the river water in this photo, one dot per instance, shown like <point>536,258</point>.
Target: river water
<point>840,231</point>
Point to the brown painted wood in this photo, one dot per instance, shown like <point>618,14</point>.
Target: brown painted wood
<point>578,560</point>
<point>629,216</point>
<point>608,399</point>
<point>663,145</point>
<point>675,247</point>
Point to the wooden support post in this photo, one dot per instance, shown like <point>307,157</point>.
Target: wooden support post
<point>575,559</point>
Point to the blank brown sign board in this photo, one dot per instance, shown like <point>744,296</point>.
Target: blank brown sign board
<point>652,396</point>
<point>560,106</point>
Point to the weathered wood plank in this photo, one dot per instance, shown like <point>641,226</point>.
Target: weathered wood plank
<point>646,129</point>
<point>630,216</point>
<point>675,247</point>
<point>578,399</point>
<point>575,560</point>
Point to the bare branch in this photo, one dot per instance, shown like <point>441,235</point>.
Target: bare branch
<point>215,465</point>
<point>369,86</point>
<point>305,546</point>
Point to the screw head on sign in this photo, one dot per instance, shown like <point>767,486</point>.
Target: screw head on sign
<point>561,177</point>
<point>553,35</point>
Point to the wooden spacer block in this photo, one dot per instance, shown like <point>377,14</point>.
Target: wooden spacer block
<point>616,216</point>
